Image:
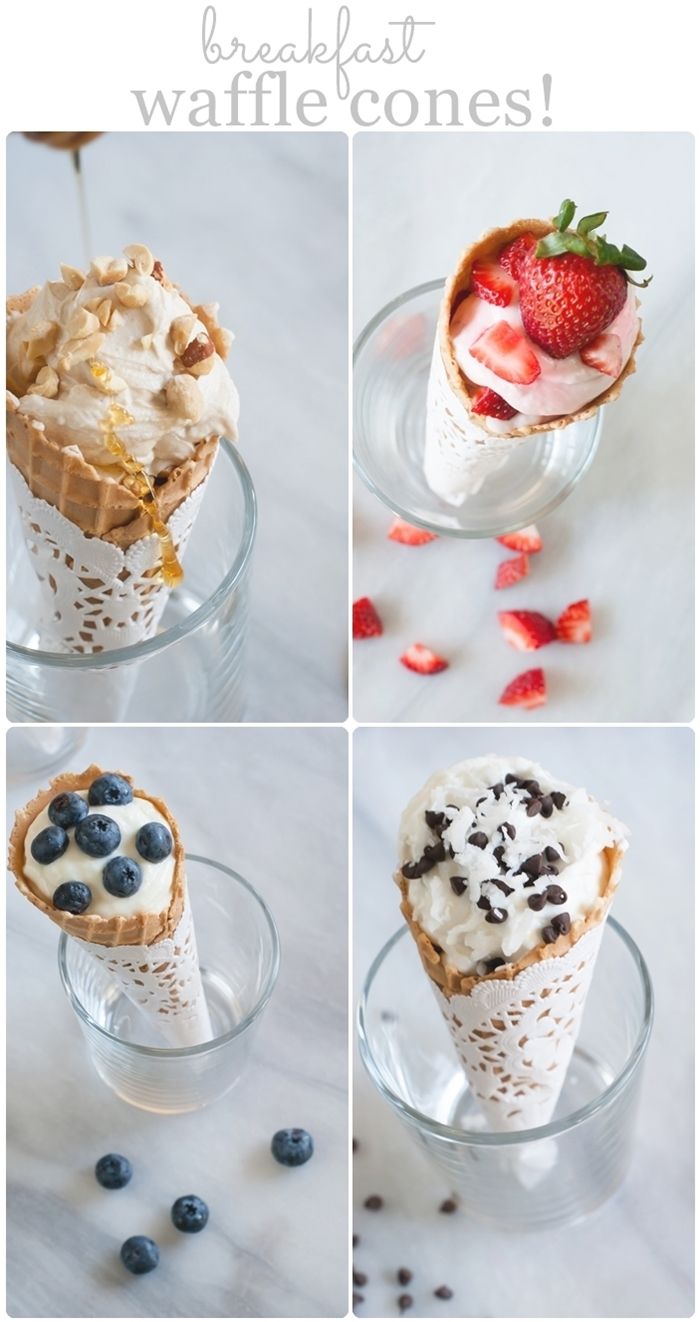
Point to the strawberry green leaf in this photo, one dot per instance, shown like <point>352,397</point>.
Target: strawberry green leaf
<point>594,222</point>
<point>553,245</point>
<point>606,254</point>
<point>631,259</point>
<point>567,211</point>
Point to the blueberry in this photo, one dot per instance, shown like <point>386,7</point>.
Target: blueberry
<point>113,1171</point>
<point>189,1213</point>
<point>121,876</point>
<point>109,789</point>
<point>97,835</point>
<point>49,844</point>
<point>154,842</point>
<point>139,1254</point>
<point>292,1147</point>
<point>67,810</point>
<point>72,897</point>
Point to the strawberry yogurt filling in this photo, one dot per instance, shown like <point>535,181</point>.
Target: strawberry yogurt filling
<point>547,387</point>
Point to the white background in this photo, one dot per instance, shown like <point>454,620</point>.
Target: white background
<point>624,538</point>
<point>632,1258</point>
<point>258,222</point>
<point>273,1245</point>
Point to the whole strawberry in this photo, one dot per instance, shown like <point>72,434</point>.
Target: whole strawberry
<point>573,283</point>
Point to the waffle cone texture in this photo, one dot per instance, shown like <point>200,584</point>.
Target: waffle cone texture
<point>141,929</point>
<point>450,982</point>
<point>488,247</point>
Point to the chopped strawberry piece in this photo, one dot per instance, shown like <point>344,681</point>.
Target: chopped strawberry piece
<point>526,630</point>
<point>511,571</point>
<point>421,659</point>
<point>490,404</point>
<point>492,283</point>
<point>408,535</point>
<point>525,539</point>
<point>511,257</point>
<point>574,624</point>
<point>604,353</point>
<point>365,620</point>
<point>526,690</point>
<point>507,353</point>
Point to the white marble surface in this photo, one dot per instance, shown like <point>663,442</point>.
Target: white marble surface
<point>634,1257</point>
<point>272,804</point>
<point>259,222</point>
<point>624,537</point>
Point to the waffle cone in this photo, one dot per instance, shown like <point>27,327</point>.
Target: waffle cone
<point>100,503</point>
<point>141,929</point>
<point>453,983</point>
<point>488,246</point>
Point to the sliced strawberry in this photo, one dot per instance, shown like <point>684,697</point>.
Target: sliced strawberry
<point>512,255</point>
<point>574,624</point>
<point>492,283</point>
<point>507,353</point>
<point>408,535</point>
<point>525,539</point>
<point>365,620</point>
<point>490,404</point>
<point>526,630</point>
<point>526,690</point>
<point>604,353</point>
<point>511,571</point>
<point>421,659</point>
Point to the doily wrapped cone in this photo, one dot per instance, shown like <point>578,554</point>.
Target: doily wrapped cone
<point>463,448</point>
<point>91,544</point>
<point>515,1029</point>
<point>153,956</point>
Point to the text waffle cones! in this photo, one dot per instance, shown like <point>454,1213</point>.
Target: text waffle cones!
<point>515,1029</point>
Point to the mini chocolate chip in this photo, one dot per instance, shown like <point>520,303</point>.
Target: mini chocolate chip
<point>374,1202</point>
<point>548,935</point>
<point>492,964</point>
<point>534,807</point>
<point>435,820</point>
<point>497,790</point>
<point>355,1241</point>
<point>357,1298</point>
<point>483,903</point>
<point>533,865</point>
<point>411,871</point>
<point>481,800</point>
<point>547,806</point>
<point>404,1276</point>
<point>498,853</point>
<point>531,882</point>
<point>503,886</point>
<point>443,1292</point>
<point>512,780</point>
<point>558,799</point>
<point>561,923</point>
<point>497,915</point>
<point>552,855</point>
<point>405,1301</point>
<point>359,1278</point>
<point>536,902</point>
<point>355,1144</point>
<point>532,787</point>
<point>555,895</point>
<point>448,1206</point>
<point>508,829</point>
<point>458,885</point>
<point>478,839</point>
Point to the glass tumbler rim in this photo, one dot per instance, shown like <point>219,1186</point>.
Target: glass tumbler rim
<point>162,641</point>
<point>493,1139</point>
<point>202,1048</point>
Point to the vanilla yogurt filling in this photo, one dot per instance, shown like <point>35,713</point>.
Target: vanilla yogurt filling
<point>154,892</point>
<point>500,858</point>
<point>564,385</point>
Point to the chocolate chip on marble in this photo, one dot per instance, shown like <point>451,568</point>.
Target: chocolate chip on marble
<point>555,895</point>
<point>404,1276</point>
<point>558,799</point>
<point>357,1298</point>
<point>448,1206</point>
<point>374,1203</point>
<point>508,829</point>
<point>503,886</point>
<point>496,915</point>
<point>561,923</point>
<point>355,1241</point>
<point>458,885</point>
<point>359,1278</point>
<point>443,1292</point>
<point>355,1144</point>
<point>483,903</point>
<point>479,839</point>
<point>536,902</point>
<point>405,1301</point>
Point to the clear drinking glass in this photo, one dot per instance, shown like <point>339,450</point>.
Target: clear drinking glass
<point>391,370</point>
<point>191,671</point>
<point>32,750</point>
<point>239,955</point>
<point>536,1177</point>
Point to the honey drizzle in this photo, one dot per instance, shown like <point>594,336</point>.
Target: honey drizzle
<point>170,568</point>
